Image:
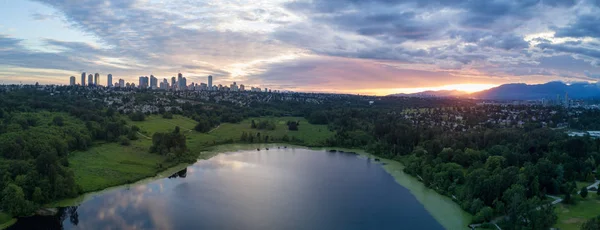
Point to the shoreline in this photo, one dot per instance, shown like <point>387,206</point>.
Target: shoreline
<point>442,208</point>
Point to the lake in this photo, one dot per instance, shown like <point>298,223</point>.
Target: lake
<point>291,188</point>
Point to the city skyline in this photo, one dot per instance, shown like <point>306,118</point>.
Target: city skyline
<point>370,47</point>
<point>152,82</point>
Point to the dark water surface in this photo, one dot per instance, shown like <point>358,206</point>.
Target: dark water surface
<point>275,189</point>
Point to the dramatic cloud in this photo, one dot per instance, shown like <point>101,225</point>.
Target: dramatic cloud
<point>368,46</point>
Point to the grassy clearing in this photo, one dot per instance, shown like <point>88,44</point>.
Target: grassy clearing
<point>6,220</point>
<point>111,164</point>
<point>156,123</point>
<point>571,217</point>
<point>107,165</point>
<point>312,135</point>
<point>581,184</point>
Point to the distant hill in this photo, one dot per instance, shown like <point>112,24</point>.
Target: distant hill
<point>521,91</point>
<point>548,90</point>
<point>440,93</point>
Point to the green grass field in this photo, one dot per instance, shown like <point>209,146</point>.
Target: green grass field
<point>6,220</point>
<point>571,217</point>
<point>156,123</point>
<point>311,135</point>
<point>107,165</point>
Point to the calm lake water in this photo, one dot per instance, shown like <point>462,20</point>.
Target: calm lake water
<point>274,189</point>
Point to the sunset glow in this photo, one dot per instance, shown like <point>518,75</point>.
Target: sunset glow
<point>468,88</point>
<point>363,47</point>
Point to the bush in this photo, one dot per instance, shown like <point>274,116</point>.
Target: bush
<point>124,141</point>
<point>203,126</point>
<point>263,125</point>
<point>584,192</point>
<point>293,125</point>
<point>592,224</point>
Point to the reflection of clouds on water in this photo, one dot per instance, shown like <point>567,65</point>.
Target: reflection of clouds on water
<point>214,164</point>
<point>140,207</point>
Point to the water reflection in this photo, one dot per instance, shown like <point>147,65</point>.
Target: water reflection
<point>54,222</point>
<point>182,174</point>
<point>275,189</point>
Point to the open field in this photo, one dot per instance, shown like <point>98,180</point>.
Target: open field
<point>312,135</point>
<point>571,217</point>
<point>155,123</point>
<point>112,164</point>
<point>107,165</point>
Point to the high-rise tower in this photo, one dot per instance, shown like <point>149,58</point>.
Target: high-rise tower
<point>109,82</point>
<point>83,79</point>
<point>90,80</point>
<point>96,79</point>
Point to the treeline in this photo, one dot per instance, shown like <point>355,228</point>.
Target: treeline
<point>37,132</point>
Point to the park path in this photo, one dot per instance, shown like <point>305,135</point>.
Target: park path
<point>557,200</point>
<point>147,137</point>
<point>214,129</point>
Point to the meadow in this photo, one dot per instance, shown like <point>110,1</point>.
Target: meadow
<point>571,217</point>
<point>111,164</point>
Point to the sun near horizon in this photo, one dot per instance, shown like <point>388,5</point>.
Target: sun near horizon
<point>467,88</point>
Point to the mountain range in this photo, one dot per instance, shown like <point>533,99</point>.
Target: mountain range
<point>519,91</point>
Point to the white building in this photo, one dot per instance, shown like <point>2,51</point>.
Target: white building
<point>72,81</point>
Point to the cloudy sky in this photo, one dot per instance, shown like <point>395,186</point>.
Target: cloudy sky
<point>351,46</point>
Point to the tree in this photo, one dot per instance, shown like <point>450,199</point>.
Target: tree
<point>203,126</point>
<point>124,141</point>
<point>598,192</point>
<point>13,201</point>
<point>253,125</point>
<point>293,126</point>
<point>584,192</point>
<point>244,137</point>
<point>38,196</point>
<point>592,224</point>
<point>58,121</point>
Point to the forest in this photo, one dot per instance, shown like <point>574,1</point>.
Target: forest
<point>37,133</point>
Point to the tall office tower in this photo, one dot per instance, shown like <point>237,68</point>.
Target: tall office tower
<point>180,81</point>
<point>72,81</point>
<point>83,79</point>
<point>242,87</point>
<point>173,82</point>
<point>153,82</point>
<point>90,80</point>
<point>96,79</point>
<point>121,83</point>
<point>210,85</point>
<point>143,83</point>
<point>234,87</point>
<point>109,81</point>
<point>183,83</point>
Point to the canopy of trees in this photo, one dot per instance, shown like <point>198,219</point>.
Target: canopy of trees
<point>37,133</point>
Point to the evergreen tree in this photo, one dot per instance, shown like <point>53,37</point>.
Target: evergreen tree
<point>584,192</point>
